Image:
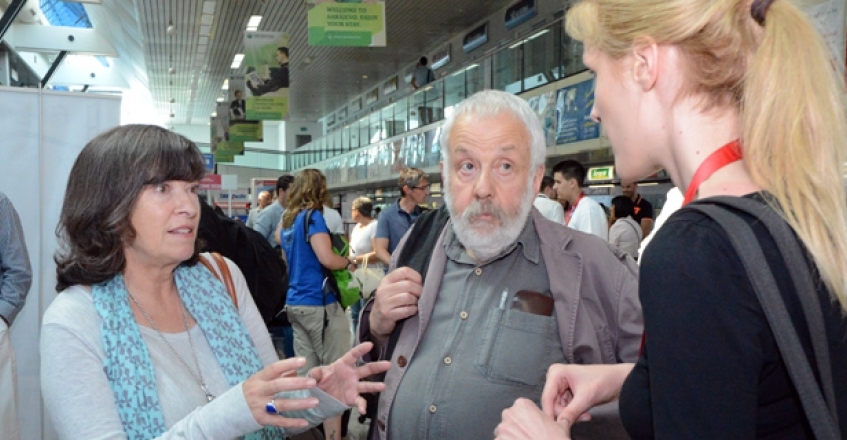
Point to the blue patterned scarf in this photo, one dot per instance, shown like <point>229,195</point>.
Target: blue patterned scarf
<point>128,364</point>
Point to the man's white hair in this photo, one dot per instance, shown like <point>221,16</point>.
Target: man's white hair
<point>488,244</point>
<point>490,103</point>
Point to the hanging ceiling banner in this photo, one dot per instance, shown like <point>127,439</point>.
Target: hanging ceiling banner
<point>266,75</point>
<point>346,23</point>
<point>245,131</point>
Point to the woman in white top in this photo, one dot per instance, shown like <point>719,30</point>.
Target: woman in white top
<point>625,232</point>
<point>156,345</point>
<point>361,245</point>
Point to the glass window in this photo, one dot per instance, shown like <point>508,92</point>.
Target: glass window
<point>401,117</point>
<point>387,120</point>
<point>507,69</point>
<point>474,80</point>
<point>345,138</point>
<point>377,124</point>
<point>364,131</point>
<point>541,57</point>
<point>417,106</point>
<point>434,103</point>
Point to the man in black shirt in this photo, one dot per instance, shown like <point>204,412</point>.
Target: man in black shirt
<point>279,78</point>
<point>643,214</point>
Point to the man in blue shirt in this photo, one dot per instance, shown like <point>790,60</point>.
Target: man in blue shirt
<point>268,218</point>
<point>397,218</point>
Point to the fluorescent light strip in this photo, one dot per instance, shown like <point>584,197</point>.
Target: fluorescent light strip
<point>253,23</point>
<point>236,62</point>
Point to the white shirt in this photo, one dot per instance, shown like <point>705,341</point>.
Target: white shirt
<point>550,209</point>
<point>360,241</point>
<point>333,221</point>
<point>625,234</point>
<point>672,203</point>
<point>590,218</point>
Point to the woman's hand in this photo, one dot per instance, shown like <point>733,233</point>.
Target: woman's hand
<point>572,389</point>
<point>342,379</point>
<point>525,421</point>
<point>261,388</point>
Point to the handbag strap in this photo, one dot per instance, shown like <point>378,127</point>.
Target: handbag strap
<point>822,417</point>
<point>225,274</point>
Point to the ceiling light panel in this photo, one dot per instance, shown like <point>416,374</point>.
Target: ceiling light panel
<point>209,7</point>
<point>236,61</point>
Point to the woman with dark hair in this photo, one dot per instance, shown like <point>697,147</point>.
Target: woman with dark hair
<point>321,329</point>
<point>158,346</point>
<point>625,232</point>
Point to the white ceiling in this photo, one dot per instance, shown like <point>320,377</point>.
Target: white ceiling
<point>138,30</point>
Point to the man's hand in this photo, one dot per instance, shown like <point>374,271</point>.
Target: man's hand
<point>396,298</point>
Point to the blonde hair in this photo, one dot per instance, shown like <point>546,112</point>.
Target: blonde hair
<point>308,191</point>
<point>779,76</point>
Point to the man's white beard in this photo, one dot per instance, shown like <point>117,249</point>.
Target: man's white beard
<point>486,239</point>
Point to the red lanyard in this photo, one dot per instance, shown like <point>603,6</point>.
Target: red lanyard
<point>573,208</point>
<point>722,157</point>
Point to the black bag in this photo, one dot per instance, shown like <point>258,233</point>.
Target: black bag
<point>264,269</point>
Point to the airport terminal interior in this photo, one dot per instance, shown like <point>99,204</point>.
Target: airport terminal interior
<point>352,104</point>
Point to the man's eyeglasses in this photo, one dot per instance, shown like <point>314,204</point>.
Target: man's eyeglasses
<point>422,188</point>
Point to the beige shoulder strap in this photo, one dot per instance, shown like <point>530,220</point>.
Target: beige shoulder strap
<point>225,275</point>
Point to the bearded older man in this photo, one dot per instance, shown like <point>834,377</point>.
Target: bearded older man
<point>485,295</point>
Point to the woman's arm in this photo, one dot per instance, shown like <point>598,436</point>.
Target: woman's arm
<point>322,245</point>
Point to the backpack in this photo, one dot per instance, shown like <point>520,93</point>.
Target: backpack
<point>265,272</point>
<point>340,281</point>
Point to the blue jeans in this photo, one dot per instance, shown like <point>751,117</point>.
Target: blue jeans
<point>283,339</point>
<point>355,308</point>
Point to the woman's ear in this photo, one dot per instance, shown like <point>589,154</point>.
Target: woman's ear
<point>647,56</point>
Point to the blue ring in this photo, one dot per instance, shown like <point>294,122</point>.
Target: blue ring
<point>270,408</point>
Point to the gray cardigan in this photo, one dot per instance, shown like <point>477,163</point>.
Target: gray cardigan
<point>595,292</point>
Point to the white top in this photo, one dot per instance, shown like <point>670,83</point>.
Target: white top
<point>333,220</point>
<point>625,234</point>
<point>673,202</point>
<point>360,241</point>
<point>79,399</point>
<point>590,218</point>
<point>550,209</point>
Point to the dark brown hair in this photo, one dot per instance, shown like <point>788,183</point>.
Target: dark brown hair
<point>104,184</point>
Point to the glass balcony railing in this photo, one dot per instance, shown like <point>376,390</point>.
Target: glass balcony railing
<point>544,56</point>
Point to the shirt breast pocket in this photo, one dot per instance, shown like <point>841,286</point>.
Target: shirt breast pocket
<point>518,347</point>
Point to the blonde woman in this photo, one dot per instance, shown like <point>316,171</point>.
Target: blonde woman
<point>321,329</point>
<point>677,81</point>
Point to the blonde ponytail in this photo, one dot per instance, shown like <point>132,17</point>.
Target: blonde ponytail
<point>795,136</point>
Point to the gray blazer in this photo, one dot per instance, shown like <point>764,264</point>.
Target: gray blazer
<point>595,292</point>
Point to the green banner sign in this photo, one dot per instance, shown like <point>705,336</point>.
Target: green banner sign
<point>347,24</point>
<point>226,151</point>
<point>601,173</point>
<point>267,107</point>
<point>245,131</point>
